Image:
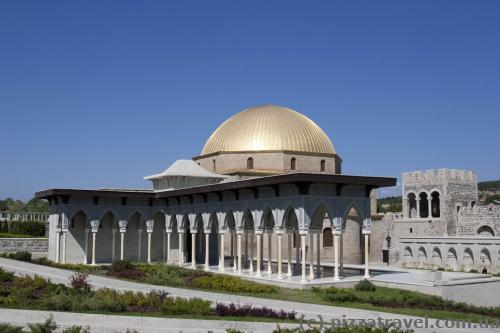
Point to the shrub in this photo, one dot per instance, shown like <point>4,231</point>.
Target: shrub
<point>180,306</point>
<point>8,328</point>
<point>340,295</point>
<point>6,276</point>
<point>250,311</point>
<point>365,285</point>
<point>20,255</point>
<point>48,326</point>
<point>32,228</point>
<point>80,282</point>
<point>77,329</point>
<point>120,266</point>
<point>232,284</point>
<point>124,269</point>
<point>160,274</point>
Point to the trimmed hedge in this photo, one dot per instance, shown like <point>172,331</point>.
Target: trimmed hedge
<point>30,228</point>
<point>405,299</point>
<point>232,284</point>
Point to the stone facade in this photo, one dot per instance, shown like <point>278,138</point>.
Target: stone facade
<point>32,245</point>
<point>269,162</point>
<point>441,225</point>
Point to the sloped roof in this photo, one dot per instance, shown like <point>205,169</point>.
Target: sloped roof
<point>187,168</point>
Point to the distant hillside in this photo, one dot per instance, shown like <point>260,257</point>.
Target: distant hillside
<point>389,204</point>
<point>489,191</point>
<point>493,185</point>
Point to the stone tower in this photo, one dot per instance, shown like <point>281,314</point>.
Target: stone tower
<point>439,194</point>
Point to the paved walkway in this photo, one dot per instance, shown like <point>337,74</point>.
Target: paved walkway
<point>120,324</point>
<point>311,311</point>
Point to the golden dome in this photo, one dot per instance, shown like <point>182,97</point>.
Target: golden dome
<point>269,127</point>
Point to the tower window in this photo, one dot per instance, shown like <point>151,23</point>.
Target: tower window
<point>213,165</point>
<point>293,163</point>
<point>250,163</point>
<point>322,167</point>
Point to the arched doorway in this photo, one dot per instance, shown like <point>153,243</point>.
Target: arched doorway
<point>75,239</point>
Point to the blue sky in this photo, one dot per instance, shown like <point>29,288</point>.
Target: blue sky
<point>100,94</point>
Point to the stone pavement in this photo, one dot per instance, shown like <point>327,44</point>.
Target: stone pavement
<point>311,311</point>
<point>112,324</point>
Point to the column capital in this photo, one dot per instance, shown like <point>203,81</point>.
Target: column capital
<point>94,225</point>
<point>150,225</point>
<point>366,231</point>
<point>181,231</point>
<point>123,225</point>
<point>240,232</point>
<point>222,231</point>
<point>87,229</point>
<point>207,231</point>
<point>168,231</point>
<point>336,232</point>
<point>279,231</point>
<point>194,231</point>
<point>303,232</point>
<point>259,232</point>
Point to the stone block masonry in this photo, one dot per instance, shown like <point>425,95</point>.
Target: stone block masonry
<point>32,245</point>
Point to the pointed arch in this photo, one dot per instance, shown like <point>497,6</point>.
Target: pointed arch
<point>290,220</point>
<point>136,212</point>
<point>267,222</point>
<point>80,211</point>
<point>247,221</point>
<point>79,218</point>
<point>353,206</point>
<point>213,221</point>
<point>319,214</point>
<point>229,221</point>
<point>437,258</point>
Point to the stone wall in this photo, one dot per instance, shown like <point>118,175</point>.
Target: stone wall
<point>471,219</point>
<point>32,245</point>
<point>451,253</point>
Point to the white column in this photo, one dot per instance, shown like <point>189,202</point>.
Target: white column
<point>245,249</point>
<point>64,246</point>
<point>336,242</point>
<point>279,233</point>
<point>303,245</point>
<point>367,272</point>
<point>169,233</point>
<point>193,248</point>
<point>221,258</point>
<point>122,244</point>
<point>233,251</point>
<point>289,271</point>
<point>297,253</point>
<point>318,255</point>
<point>139,243</point>
<point>418,207</point>
<point>251,252</point>
<point>181,247</point>
<point>269,254</point>
<point>58,246</point>
<point>85,260</point>
<point>207,247</point>
<point>149,245</point>
<point>258,234</point>
<point>311,256</point>
<point>113,245</point>
<point>94,232</point>
<point>122,224</point>
<point>429,208</point>
<point>238,244</point>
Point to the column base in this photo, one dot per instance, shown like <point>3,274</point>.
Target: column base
<point>366,276</point>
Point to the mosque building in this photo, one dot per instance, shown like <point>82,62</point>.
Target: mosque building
<point>265,198</point>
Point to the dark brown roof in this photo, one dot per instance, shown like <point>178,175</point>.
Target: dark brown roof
<point>294,178</point>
